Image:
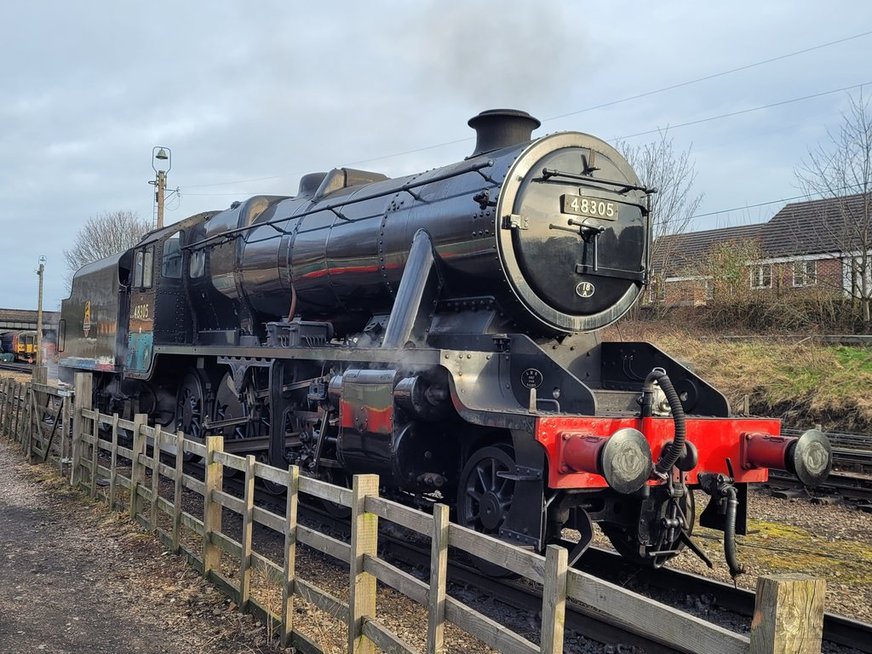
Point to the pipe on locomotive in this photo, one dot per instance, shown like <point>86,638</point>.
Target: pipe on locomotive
<point>416,284</point>
<point>672,453</point>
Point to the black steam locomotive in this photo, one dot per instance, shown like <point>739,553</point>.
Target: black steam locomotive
<point>442,331</point>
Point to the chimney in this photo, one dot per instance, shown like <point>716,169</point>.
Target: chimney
<point>500,128</point>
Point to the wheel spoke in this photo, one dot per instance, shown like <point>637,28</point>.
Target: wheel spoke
<point>482,477</point>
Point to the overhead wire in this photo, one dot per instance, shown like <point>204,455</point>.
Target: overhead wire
<point>711,76</point>
<point>641,95</point>
<point>646,132</point>
<point>603,105</point>
<point>745,111</point>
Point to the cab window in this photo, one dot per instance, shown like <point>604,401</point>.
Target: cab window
<point>137,269</point>
<point>148,267</point>
<point>143,268</point>
<point>198,264</point>
<point>171,266</point>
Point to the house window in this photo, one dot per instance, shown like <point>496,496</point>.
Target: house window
<point>857,275</point>
<point>804,273</point>
<point>709,290</point>
<point>761,276</point>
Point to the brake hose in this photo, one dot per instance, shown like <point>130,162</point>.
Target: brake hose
<point>675,449</point>
<point>730,553</point>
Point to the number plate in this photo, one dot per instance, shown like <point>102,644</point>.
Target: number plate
<point>589,206</point>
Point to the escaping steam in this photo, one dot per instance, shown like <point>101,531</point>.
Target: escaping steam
<point>509,53</point>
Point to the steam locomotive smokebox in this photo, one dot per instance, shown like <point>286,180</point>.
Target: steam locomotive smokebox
<point>298,333</point>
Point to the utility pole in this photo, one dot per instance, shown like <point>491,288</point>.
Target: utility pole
<point>161,162</point>
<point>159,194</point>
<point>40,272</point>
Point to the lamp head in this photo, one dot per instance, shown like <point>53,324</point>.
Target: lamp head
<point>161,158</point>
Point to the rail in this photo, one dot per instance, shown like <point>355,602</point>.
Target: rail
<point>789,608</point>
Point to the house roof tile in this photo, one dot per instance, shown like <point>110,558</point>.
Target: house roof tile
<point>800,228</point>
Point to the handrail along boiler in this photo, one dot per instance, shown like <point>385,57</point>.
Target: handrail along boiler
<point>443,331</point>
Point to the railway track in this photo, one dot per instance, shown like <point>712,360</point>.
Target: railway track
<point>837,629</point>
<point>736,605</point>
<point>413,554</point>
<point>582,620</point>
<point>16,367</point>
<point>852,487</point>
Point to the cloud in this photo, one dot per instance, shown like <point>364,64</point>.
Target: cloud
<point>277,89</point>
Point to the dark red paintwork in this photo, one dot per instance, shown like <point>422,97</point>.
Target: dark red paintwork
<point>580,452</point>
<point>716,440</point>
<point>765,450</point>
<point>366,418</point>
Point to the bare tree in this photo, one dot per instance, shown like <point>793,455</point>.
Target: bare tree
<point>102,236</point>
<point>841,169</point>
<point>672,174</point>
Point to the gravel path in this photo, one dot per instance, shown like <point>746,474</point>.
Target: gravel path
<point>75,578</point>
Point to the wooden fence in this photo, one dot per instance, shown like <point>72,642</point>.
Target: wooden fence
<point>789,609</point>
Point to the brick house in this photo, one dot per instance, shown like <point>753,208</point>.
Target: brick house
<point>815,246</point>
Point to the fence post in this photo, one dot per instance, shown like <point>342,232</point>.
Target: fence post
<point>3,402</point>
<point>27,432</point>
<point>19,413</point>
<point>22,412</point>
<point>33,425</point>
<point>95,454</point>
<point>137,469</point>
<point>362,585</point>
<point>16,391</point>
<point>113,466</point>
<point>438,577</point>
<point>214,481</point>
<point>290,556</point>
<point>788,615</point>
<point>10,408</point>
<point>155,476</point>
<point>553,600</point>
<point>62,419</point>
<point>245,541</point>
<point>4,389</point>
<point>177,490</point>
<point>83,384</point>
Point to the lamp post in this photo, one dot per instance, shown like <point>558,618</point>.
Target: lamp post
<point>161,163</point>
<point>39,272</point>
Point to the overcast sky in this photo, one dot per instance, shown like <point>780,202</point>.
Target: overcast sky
<point>252,95</point>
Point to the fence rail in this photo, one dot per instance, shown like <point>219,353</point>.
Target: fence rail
<point>33,413</point>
